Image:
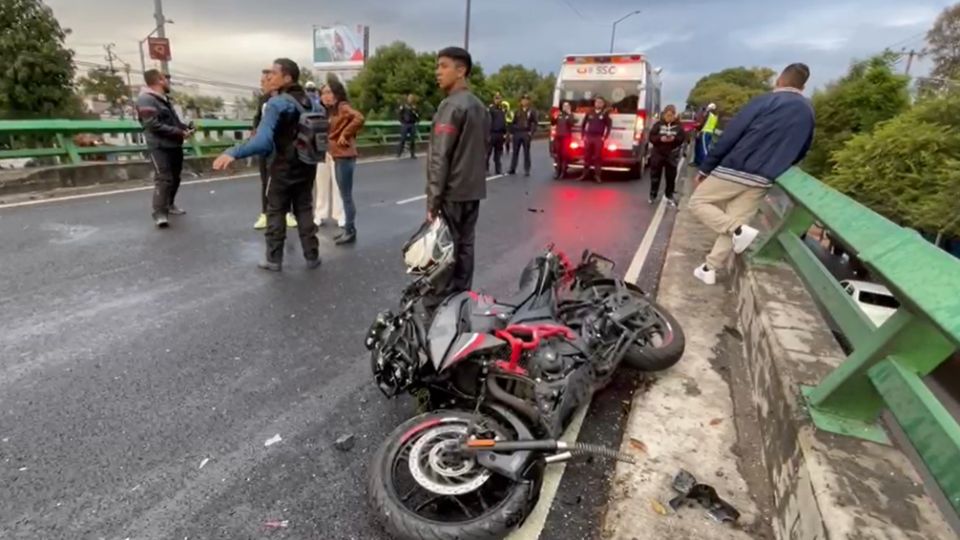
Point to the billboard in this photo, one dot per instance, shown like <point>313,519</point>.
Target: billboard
<point>339,47</point>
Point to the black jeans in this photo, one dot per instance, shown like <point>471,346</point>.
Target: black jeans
<point>462,219</point>
<point>496,150</point>
<point>592,150</point>
<point>264,181</point>
<point>281,194</point>
<point>521,140</point>
<point>560,143</point>
<point>408,132</point>
<point>658,166</point>
<point>167,166</point>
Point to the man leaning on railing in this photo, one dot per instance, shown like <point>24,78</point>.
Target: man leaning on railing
<point>772,133</point>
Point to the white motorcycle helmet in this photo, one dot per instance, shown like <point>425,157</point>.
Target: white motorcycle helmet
<point>430,249</point>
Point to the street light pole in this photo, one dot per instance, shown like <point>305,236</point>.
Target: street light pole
<point>613,33</point>
<point>161,20</point>
<point>466,30</point>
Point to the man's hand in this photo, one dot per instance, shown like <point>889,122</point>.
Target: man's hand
<point>222,162</point>
<point>343,141</point>
<point>189,133</point>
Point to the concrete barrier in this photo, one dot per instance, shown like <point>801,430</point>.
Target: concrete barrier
<point>825,486</point>
<point>43,179</point>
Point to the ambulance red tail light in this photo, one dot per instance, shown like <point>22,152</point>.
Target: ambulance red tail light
<point>641,123</point>
<point>612,147</point>
<point>574,145</point>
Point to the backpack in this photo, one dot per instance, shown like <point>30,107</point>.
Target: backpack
<point>312,131</point>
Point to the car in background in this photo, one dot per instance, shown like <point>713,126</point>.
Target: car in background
<point>875,300</point>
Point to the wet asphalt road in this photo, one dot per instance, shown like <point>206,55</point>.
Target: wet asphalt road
<point>129,357</point>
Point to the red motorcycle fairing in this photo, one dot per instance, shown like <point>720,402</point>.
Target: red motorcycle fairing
<point>463,324</point>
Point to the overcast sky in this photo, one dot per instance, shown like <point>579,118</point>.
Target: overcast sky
<point>231,39</point>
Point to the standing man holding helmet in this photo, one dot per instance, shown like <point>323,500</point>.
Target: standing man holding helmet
<point>165,133</point>
<point>456,165</point>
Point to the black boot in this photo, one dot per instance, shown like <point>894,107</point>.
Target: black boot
<point>161,222</point>
<point>348,237</point>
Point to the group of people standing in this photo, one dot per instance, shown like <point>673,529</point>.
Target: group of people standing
<point>293,193</point>
<point>511,128</point>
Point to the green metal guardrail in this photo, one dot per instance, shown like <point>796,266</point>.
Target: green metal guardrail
<point>885,367</point>
<point>212,136</point>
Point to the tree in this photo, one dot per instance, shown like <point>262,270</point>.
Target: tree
<point>908,168</point>
<point>869,94</point>
<point>944,40</point>
<point>36,69</point>
<point>102,84</point>
<point>199,105</point>
<point>731,88</point>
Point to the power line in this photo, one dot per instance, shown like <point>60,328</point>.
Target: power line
<point>905,41</point>
<point>185,77</point>
<point>574,8</point>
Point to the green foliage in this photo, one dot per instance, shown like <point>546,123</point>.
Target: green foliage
<point>396,70</point>
<point>102,84</point>
<point>870,93</point>
<point>198,106</point>
<point>731,88</point>
<point>36,70</point>
<point>908,168</point>
<point>944,40</point>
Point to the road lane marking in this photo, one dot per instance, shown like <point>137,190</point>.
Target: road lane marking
<point>633,271</point>
<point>150,188</point>
<point>533,526</point>
<point>422,197</point>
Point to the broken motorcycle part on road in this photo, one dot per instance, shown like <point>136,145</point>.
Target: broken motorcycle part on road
<point>693,492</point>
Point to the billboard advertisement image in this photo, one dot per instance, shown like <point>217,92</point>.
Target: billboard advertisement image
<point>338,47</point>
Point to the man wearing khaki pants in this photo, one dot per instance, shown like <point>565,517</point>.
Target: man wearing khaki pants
<point>772,133</point>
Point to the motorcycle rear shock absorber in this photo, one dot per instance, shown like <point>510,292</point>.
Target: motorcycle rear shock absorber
<point>563,450</point>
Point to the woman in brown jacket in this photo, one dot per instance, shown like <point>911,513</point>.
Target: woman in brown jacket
<point>345,123</point>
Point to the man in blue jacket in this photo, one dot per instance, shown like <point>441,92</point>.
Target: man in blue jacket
<point>290,179</point>
<point>769,135</point>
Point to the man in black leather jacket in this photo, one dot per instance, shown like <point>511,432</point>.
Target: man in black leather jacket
<point>165,134</point>
<point>456,164</point>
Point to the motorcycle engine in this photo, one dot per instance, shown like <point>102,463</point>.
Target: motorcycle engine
<point>394,355</point>
<point>548,363</point>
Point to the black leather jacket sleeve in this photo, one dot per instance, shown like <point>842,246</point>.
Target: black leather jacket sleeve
<point>447,127</point>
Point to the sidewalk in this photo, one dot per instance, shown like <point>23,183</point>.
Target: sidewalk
<point>686,418</point>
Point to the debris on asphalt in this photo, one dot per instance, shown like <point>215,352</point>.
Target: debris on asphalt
<point>204,462</point>
<point>658,507</point>
<point>277,524</point>
<point>23,469</point>
<point>345,442</point>
<point>638,444</point>
<point>535,210</point>
<point>692,492</point>
<point>716,421</point>
<point>273,440</point>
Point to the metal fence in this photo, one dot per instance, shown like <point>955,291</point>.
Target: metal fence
<point>55,138</point>
<point>884,369</point>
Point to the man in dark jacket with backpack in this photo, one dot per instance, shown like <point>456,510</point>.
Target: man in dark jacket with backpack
<point>293,164</point>
<point>165,134</point>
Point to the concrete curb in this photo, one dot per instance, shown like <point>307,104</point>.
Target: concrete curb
<point>824,486</point>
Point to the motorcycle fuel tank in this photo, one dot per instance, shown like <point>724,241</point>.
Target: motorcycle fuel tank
<point>463,324</point>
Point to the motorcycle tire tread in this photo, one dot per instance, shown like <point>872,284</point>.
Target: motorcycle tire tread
<point>658,358</point>
<point>402,524</point>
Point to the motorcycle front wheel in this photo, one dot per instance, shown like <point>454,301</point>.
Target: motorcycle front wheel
<point>422,487</point>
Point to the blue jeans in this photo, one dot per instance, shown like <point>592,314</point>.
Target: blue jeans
<point>344,172</point>
<point>704,142</point>
<point>408,132</point>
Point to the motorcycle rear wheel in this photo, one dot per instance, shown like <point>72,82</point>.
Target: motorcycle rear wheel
<point>410,469</point>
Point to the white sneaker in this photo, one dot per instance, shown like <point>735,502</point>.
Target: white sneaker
<point>705,274</point>
<point>743,240</point>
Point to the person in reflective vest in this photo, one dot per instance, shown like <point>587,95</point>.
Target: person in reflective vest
<point>707,131</point>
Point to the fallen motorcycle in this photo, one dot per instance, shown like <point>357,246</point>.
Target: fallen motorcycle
<point>502,379</point>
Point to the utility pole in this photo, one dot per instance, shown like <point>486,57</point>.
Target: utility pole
<point>910,56</point>
<point>613,31</point>
<point>161,32</point>
<point>110,56</point>
<point>466,30</point>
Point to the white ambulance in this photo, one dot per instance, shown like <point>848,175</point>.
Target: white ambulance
<point>631,87</point>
